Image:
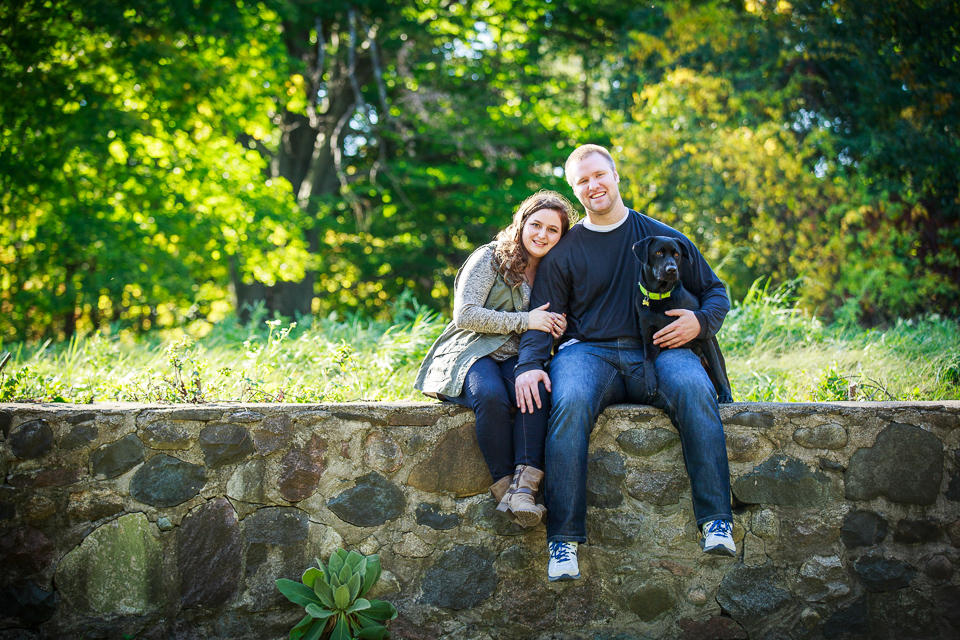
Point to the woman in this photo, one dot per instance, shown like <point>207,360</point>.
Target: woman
<point>472,362</point>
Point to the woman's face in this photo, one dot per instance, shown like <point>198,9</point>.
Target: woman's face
<point>541,231</point>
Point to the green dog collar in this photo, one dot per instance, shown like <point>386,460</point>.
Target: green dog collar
<point>647,296</point>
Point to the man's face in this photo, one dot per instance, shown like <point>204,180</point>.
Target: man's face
<point>595,184</point>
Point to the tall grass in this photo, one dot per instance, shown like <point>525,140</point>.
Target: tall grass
<point>774,352</point>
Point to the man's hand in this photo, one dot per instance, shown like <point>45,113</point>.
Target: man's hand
<point>528,392</point>
<point>679,332</point>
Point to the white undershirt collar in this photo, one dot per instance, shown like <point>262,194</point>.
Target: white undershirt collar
<point>604,228</point>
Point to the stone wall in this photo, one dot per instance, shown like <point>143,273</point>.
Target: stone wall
<point>123,521</point>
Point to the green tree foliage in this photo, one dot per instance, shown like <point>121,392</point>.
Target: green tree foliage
<point>123,192</point>
<point>313,156</point>
<point>162,163</point>
<point>810,139</point>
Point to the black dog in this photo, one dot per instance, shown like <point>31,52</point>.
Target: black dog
<point>660,290</point>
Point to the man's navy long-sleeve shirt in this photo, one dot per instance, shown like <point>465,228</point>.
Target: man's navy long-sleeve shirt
<point>592,277</point>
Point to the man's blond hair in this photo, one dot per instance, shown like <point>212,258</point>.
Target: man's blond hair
<point>582,152</point>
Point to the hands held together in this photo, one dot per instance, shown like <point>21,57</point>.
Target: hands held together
<point>541,319</point>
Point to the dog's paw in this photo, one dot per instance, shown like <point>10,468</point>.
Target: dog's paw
<point>651,388</point>
<point>724,398</point>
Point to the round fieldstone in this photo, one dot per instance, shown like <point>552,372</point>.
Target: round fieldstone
<point>765,525</point>
<point>648,602</point>
<point>45,478</point>
<point>116,458</point>
<point>905,465</point>
<point>38,507</point>
<point>272,433</point>
<point>822,579</point>
<point>373,501</point>
<point>461,579</point>
<point>823,436</point>
<point>117,569</point>
<point>164,481</point>
<point>918,531</point>
<point>429,515</point>
<point>209,555</point>
<point>80,418</point>
<point>605,474</point>
<point>300,470</point>
<point>615,528</point>
<point>94,505</point>
<point>851,622</point>
<point>79,436</point>
<point>524,601</point>
<point>809,618</point>
<point>25,552</point>
<point>169,435</point>
<point>456,466</point>
<point>6,420</point>
<point>863,529</point>
<point>583,603</point>
<point>248,482</point>
<point>939,568</point>
<point>743,445</point>
<point>752,419</point>
<point>884,574</point>
<point>31,439</point>
<point>658,487</point>
<point>164,524</point>
<point>486,517</point>
<point>749,595</point>
<point>381,452</point>
<point>225,444</point>
<point>784,481</point>
<point>277,526</point>
<point>28,603</point>
<point>647,442</point>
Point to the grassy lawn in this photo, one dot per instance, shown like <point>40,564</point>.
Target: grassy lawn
<point>774,352</point>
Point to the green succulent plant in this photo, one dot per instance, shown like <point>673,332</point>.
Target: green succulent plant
<point>333,599</point>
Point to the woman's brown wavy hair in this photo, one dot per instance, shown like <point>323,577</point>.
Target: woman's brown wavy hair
<point>511,257</point>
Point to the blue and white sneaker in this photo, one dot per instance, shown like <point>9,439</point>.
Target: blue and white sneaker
<point>718,538</point>
<point>563,561</point>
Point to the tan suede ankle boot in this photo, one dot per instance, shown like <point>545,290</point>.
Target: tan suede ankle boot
<point>519,500</point>
<point>499,489</point>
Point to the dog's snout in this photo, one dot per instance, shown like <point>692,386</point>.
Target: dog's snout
<point>671,270</point>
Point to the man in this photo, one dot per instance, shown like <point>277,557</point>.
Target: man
<point>591,276</point>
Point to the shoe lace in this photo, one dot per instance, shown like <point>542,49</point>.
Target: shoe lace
<point>560,551</point>
<point>721,527</point>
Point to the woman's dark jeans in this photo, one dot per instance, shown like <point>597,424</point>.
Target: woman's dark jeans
<point>506,436</point>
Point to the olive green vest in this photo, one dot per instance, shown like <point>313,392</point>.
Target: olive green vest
<point>451,356</point>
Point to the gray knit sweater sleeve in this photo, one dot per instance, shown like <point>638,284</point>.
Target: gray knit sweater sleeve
<point>475,280</point>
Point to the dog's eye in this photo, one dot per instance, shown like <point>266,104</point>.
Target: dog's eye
<point>659,253</point>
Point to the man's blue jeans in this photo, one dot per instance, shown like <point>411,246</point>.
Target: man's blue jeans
<point>587,377</point>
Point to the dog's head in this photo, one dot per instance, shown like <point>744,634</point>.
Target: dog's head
<point>660,260</point>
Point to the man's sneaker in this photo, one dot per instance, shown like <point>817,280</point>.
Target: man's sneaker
<point>718,538</point>
<point>563,561</point>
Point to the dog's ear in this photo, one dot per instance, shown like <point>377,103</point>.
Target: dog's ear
<point>641,248</point>
<point>683,250</point>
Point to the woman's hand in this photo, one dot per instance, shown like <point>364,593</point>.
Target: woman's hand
<point>542,320</point>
